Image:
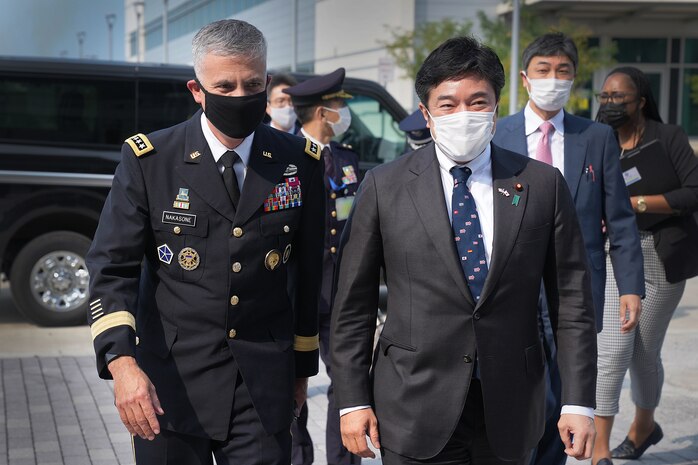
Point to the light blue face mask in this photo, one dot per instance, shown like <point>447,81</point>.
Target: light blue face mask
<point>343,123</point>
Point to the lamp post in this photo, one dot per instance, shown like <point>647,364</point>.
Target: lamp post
<point>164,32</point>
<point>81,40</point>
<point>111,17</point>
<point>514,70</point>
<point>139,7</point>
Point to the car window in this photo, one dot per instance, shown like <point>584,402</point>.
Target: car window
<point>162,104</point>
<point>65,110</point>
<point>373,133</point>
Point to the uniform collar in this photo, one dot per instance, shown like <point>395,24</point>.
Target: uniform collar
<point>312,139</point>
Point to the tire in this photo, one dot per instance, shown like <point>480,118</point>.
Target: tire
<point>49,279</point>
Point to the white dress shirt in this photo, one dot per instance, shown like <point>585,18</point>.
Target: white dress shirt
<point>557,141</point>
<point>218,149</point>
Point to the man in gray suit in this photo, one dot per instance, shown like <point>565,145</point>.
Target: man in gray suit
<point>466,231</point>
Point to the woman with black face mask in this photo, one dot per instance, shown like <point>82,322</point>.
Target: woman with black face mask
<point>670,252</point>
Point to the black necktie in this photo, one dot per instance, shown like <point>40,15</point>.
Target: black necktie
<point>467,232</point>
<point>231,181</point>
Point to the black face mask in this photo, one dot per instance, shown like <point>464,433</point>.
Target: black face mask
<point>236,117</point>
<point>613,114</point>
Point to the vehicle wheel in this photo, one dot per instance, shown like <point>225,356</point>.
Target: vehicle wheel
<point>49,279</point>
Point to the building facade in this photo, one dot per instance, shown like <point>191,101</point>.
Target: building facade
<point>317,36</point>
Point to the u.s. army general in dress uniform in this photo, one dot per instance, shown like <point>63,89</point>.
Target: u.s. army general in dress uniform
<point>212,289</point>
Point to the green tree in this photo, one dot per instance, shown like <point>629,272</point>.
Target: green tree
<point>409,49</point>
<point>497,34</point>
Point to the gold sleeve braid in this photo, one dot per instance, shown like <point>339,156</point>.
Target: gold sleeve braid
<point>111,320</point>
<point>306,343</point>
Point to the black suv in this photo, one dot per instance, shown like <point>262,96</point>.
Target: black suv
<point>61,128</point>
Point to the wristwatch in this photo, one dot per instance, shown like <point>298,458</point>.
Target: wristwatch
<point>641,205</point>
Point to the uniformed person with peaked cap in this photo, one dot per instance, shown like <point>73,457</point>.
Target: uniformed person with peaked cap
<point>416,131</point>
<point>206,267</point>
<point>320,104</point>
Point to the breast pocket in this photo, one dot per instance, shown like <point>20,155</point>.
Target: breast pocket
<point>181,241</point>
<point>278,228</point>
<point>537,233</point>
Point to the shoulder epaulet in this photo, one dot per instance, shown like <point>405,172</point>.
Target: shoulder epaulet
<point>140,144</point>
<point>312,149</point>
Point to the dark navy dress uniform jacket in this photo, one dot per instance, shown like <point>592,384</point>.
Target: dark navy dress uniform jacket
<point>248,297</point>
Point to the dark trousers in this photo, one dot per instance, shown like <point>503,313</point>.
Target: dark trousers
<point>247,443</point>
<point>337,454</point>
<point>550,450</point>
<point>467,446</point>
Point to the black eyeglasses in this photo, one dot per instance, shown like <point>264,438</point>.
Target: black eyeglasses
<point>615,97</point>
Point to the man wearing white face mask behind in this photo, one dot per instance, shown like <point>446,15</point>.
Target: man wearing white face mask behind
<point>586,153</point>
<point>320,103</point>
<point>466,231</point>
<point>279,107</point>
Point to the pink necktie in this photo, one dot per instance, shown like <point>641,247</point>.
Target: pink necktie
<point>543,152</point>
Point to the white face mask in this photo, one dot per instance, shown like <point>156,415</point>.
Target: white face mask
<point>549,94</point>
<point>464,135</point>
<point>284,117</point>
<point>343,123</point>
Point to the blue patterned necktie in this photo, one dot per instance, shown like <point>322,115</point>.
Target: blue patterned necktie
<point>467,232</point>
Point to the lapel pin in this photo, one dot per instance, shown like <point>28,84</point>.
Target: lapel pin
<point>503,191</point>
<point>195,154</point>
<point>518,186</point>
<point>515,200</point>
<point>266,154</point>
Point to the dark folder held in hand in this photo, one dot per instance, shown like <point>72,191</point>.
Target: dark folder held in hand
<point>647,170</point>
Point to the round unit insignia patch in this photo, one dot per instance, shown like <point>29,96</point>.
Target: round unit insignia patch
<point>188,259</point>
<point>271,261</point>
<point>287,253</point>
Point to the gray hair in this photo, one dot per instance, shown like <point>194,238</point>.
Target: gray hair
<point>228,37</point>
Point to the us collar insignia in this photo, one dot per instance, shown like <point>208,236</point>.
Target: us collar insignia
<point>195,154</point>
<point>266,154</point>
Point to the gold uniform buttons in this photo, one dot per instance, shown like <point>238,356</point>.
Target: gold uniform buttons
<point>234,300</point>
<point>237,267</point>
<point>333,249</point>
<point>333,232</point>
<point>232,333</point>
<point>177,230</point>
<point>287,228</point>
<point>333,196</point>
<point>237,232</point>
<point>334,213</point>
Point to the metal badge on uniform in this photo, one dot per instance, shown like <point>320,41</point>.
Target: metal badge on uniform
<point>349,175</point>
<point>266,154</point>
<point>165,254</point>
<point>287,253</point>
<point>195,154</point>
<point>188,259</point>
<point>291,170</point>
<point>182,199</point>
<point>272,259</point>
<point>285,195</point>
<point>182,219</point>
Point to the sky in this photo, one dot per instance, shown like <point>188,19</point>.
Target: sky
<point>49,28</point>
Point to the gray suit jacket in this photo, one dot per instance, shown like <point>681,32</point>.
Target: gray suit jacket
<point>434,330</point>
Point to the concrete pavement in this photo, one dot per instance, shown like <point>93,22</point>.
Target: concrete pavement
<point>55,411</point>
